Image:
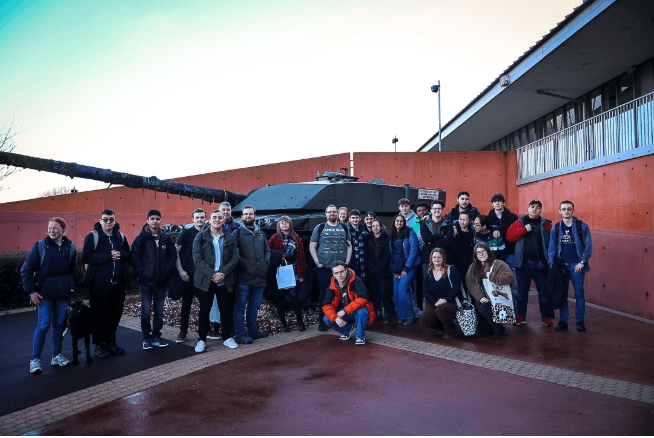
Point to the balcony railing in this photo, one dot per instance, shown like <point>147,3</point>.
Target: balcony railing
<point>624,128</point>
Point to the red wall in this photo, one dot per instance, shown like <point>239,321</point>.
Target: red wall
<point>482,174</point>
<point>616,200</point>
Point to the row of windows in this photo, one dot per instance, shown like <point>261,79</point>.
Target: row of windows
<point>618,91</point>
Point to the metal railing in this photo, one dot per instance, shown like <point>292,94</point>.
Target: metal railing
<point>621,129</point>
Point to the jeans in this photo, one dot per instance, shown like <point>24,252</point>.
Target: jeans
<point>359,317</point>
<point>225,303</point>
<point>403,295</point>
<point>525,275</point>
<point>152,299</point>
<point>252,295</point>
<point>50,312</point>
<point>106,301</point>
<point>580,304</point>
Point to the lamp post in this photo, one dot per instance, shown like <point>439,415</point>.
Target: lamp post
<point>437,89</point>
<point>395,143</point>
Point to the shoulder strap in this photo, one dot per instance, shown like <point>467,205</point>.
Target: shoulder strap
<point>557,232</point>
<point>73,251</point>
<point>41,251</point>
<point>579,231</point>
<point>96,237</point>
<point>321,227</point>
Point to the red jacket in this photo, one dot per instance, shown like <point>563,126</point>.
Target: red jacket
<point>359,297</point>
<point>517,231</point>
<point>300,260</point>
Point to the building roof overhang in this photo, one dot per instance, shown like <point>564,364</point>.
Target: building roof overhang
<point>600,40</point>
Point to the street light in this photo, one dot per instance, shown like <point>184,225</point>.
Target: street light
<point>395,143</point>
<point>437,89</point>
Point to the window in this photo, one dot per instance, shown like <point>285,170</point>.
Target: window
<point>594,102</point>
<point>523,136</point>
<point>531,133</point>
<point>625,89</point>
<point>550,127</point>
<point>609,98</point>
<point>560,122</point>
<point>644,79</point>
<point>570,115</point>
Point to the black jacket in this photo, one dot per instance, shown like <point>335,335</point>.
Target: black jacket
<point>100,266</point>
<point>53,278</point>
<point>507,220</point>
<point>556,284</point>
<point>442,239</point>
<point>453,216</point>
<point>378,267</point>
<point>153,265</point>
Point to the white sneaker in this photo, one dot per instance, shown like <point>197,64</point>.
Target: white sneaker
<point>231,343</point>
<point>35,366</point>
<point>60,360</point>
<point>200,347</point>
<point>346,337</point>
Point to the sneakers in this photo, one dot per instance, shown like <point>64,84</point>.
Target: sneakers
<point>181,337</point>
<point>158,342</point>
<point>346,337</point>
<point>547,322</point>
<point>259,335</point>
<point>60,360</point>
<point>147,344</point>
<point>562,325</point>
<point>285,329</point>
<point>387,319</point>
<point>101,351</point>
<point>35,366</point>
<point>361,341</point>
<point>520,320</point>
<point>410,321</point>
<point>242,339</point>
<point>322,327</point>
<point>581,327</point>
<point>200,347</point>
<point>115,349</point>
<point>230,343</point>
<point>213,335</point>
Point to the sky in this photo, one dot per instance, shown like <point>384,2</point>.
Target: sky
<point>171,89</point>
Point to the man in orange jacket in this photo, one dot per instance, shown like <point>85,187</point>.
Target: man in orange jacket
<point>347,304</point>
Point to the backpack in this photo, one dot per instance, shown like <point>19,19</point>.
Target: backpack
<point>557,231</point>
<point>321,227</point>
<point>73,251</point>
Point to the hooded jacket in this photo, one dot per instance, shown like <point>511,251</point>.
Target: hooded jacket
<point>204,256</point>
<point>453,216</point>
<point>254,255</point>
<point>153,264</point>
<point>508,218</point>
<point>379,267</point>
<point>100,266</point>
<point>359,297</point>
<point>442,238</point>
<point>517,232</point>
<point>53,278</point>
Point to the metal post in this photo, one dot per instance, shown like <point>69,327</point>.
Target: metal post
<point>439,115</point>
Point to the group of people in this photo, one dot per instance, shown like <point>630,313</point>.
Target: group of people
<point>365,273</point>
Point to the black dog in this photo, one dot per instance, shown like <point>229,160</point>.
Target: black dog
<point>78,321</point>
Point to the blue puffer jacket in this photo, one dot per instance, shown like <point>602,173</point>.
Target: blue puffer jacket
<point>54,277</point>
<point>407,248</point>
<point>153,265</point>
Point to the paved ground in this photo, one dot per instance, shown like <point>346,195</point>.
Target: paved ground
<point>404,381</point>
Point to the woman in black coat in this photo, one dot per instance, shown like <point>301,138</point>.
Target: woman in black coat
<point>380,281</point>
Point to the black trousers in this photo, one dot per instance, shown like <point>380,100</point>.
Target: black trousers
<point>225,305</point>
<point>486,324</point>
<point>187,300</point>
<point>106,301</point>
<point>282,304</point>
<point>381,289</point>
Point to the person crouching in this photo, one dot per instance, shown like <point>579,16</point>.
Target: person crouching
<point>347,304</point>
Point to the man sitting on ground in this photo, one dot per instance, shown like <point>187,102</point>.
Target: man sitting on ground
<point>347,304</point>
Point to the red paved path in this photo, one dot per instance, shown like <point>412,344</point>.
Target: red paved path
<point>323,386</point>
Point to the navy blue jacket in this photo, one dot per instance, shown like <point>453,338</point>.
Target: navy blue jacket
<point>101,267</point>
<point>153,265</point>
<point>54,277</point>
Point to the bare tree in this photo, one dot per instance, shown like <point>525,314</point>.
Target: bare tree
<point>57,190</point>
<point>7,144</point>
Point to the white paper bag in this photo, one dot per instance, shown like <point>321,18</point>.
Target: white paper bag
<point>285,277</point>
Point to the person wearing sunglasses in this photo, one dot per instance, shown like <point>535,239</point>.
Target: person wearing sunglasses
<point>105,255</point>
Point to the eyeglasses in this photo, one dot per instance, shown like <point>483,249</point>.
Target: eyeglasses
<point>567,209</point>
<point>477,225</point>
<point>109,220</point>
<point>482,252</point>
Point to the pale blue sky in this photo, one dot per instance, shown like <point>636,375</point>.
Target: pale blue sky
<point>172,88</point>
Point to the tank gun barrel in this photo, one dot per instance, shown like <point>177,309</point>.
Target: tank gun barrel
<point>73,170</point>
